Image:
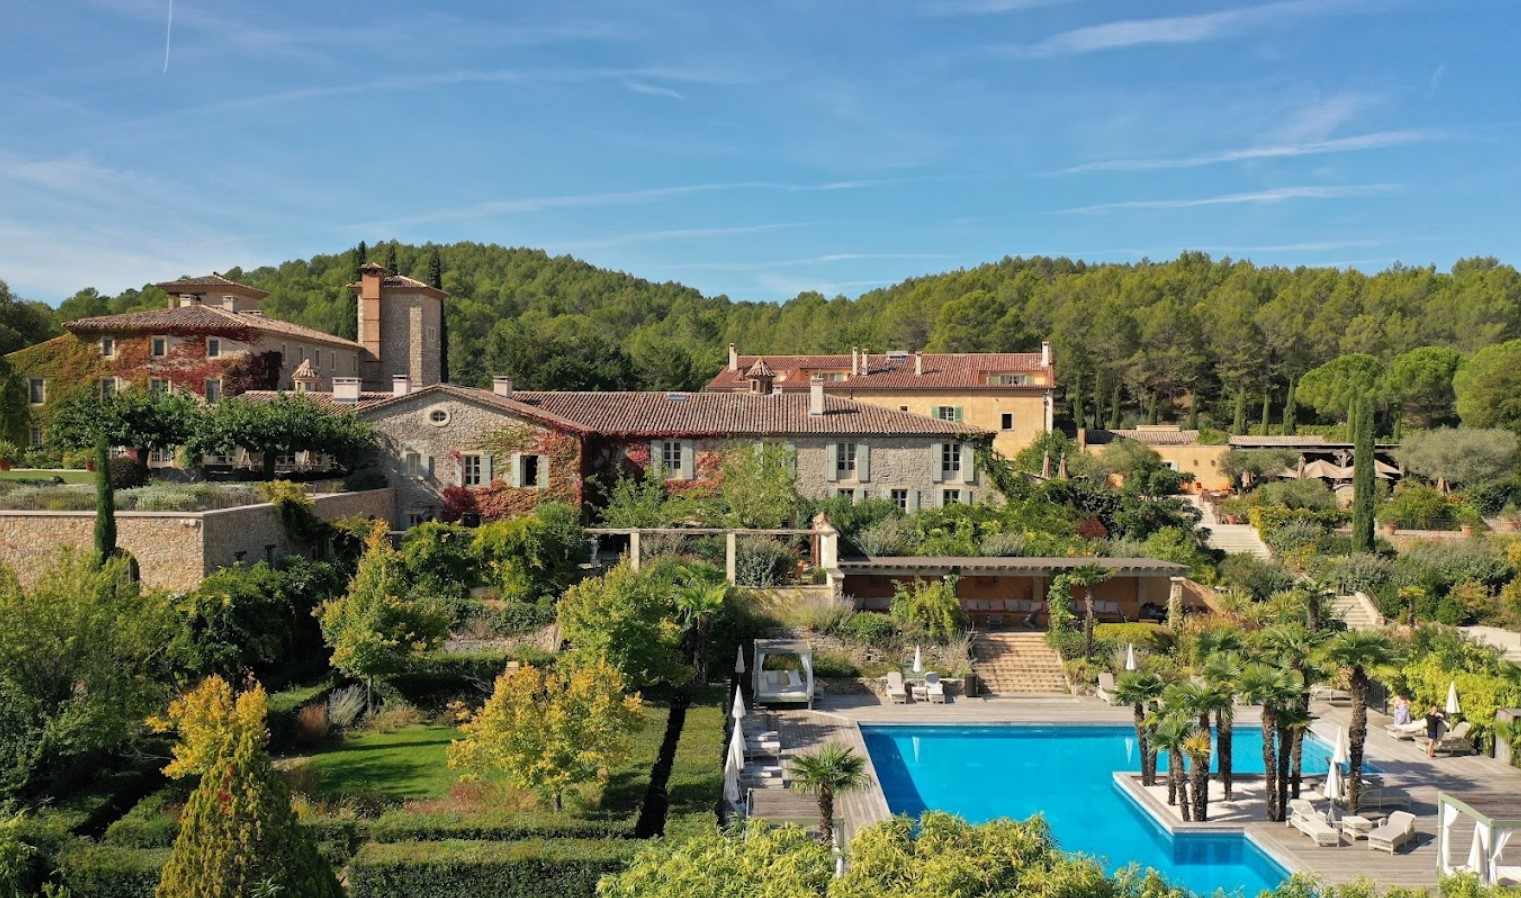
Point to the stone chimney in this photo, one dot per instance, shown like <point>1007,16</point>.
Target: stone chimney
<point>855,361</point>
<point>733,357</point>
<point>1045,353</point>
<point>371,276</point>
<point>918,363</point>
<point>346,389</point>
<point>502,386</point>
<point>401,385</point>
<point>816,396</point>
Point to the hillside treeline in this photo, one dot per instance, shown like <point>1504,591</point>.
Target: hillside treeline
<point>1134,341</point>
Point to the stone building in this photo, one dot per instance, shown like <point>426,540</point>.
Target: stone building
<point>458,452</point>
<point>401,327</point>
<point>1008,394</point>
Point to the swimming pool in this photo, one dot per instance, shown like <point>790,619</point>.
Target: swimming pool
<point>1065,773</point>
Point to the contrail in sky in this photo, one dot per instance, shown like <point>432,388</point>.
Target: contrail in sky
<point>168,33</point>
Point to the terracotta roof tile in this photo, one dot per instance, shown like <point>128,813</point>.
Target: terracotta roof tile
<point>210,319</point>
<point>760,369</point>
<point>304,370</point>
<point>211,281</point>
<point>942,371</point>
<point>323,399</point>
<point>1146,437</point>
<point>402,282</point>
<point>737,414</point>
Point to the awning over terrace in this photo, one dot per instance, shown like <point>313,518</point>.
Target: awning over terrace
<point>981,566</point>
<point>779,686</point>
<point>1496,817</point>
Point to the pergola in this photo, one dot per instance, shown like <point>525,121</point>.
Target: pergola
<point>776,687</point>
<point>1496,817</point>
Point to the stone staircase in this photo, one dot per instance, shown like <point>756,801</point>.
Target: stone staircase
<point>1237,539</point>
<point>1358,612</point>
<point>1018,664</point>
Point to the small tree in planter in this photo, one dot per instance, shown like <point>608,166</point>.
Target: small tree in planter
<point>9,452</point>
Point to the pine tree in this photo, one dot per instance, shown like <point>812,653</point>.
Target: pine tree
<point>1362,477</point>
<point>239,835</point>
<point>105,501</point>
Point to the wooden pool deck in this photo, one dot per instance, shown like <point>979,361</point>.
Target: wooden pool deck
<point>1411,779</point>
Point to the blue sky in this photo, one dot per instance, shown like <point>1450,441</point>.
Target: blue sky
<point>755,149</point>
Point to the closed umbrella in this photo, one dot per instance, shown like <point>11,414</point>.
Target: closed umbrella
<point>739,705</point>
<point>1341,752</point>
<point>1333,787</point>
<point>1452,698</point>
<point>1130,657</point>
<point>734,762</point>
<point>739,659</point>
<point>918,660</point>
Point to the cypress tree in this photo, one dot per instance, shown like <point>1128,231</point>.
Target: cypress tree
<point>239,835</point>
<point>1362,478</point>
<point>1152,416</point>
<point>435,269</point>
<point>1238,426</point>
<point>357,259</point>
<point>1114,407</point>
<point>1267,412</point>
<point>1289,411</point>
<point>389,260</point>
<point>105,501</point>
<point>1193,412</point>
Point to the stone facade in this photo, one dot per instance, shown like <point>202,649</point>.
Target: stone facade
<point>1027,410</point>
<point>401,329</point>
<point>426,441</point>
<point>174,550</point>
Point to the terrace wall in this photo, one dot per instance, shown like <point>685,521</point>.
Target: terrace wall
<point>174,550</point>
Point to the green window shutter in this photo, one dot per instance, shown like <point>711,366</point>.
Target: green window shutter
<point>832,462</point>
<point>688,460</point>
<point>937,473</point>
<point>958,414</point>
<point>968,463</point>
<point>863,462</point>
<point>516,477</point>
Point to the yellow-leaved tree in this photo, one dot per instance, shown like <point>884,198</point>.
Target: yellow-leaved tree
<point>548,731</point>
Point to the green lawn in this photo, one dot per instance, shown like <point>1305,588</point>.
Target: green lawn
<point>34,474</point>
<point>408,763</point>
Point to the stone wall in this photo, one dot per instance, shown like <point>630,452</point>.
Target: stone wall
<point>174,550</point>
<point>984,408</point>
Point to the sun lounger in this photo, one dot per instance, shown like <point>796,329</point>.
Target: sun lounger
<point>1300,808</point>
<point>1456,741</point>
<point>934,688</point>
<point>1406,731</point>
<point>1106,688</point>
<point>895,691</point>
<point>1314,824</point>
<point>1396,831</point>
<point>764,776</point>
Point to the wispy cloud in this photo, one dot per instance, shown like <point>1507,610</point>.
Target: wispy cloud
<point>826,259</point>
<point>1275,195</point>
<point>1181,29</point>
<point>653,90</point>
<point>1375,141</point>
<point>672,234</point>
<point>946,8</point>
<point>1437,78</point>
<point>524,205</point>
<point>1308,246</point>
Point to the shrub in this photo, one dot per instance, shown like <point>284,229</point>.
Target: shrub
<point>1441,564</point>
<point>1153,637</point>
<point>535,555</point>
<point>434,680</point>
<point>395,717</point>
<point>930,607</point>
<point>870,627</point>
<point>822,614</point>
<point>1294,535</point>
<point>1256,578</point>
<point>1003,545</point>
<point>889,536</point>
<point>398,825</point>
<point>1419,508</point>
<point>1311,494</point>
<point>345,706</point>
<point>152,822</point>
<point>467,869</point>
<point>358,481</point>
<point>834,664</point>
<point>91,871</point>
<point>1356,573</point>
<point>761,562</point>
<point>441,561</point>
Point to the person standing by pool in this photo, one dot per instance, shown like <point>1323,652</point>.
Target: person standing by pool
<point>1434,721</point>
<point>1401,710</point>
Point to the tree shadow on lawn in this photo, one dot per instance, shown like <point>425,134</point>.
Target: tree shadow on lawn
<point>415,767</point>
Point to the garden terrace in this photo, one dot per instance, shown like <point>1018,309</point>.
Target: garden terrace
<point>633,542</point>
<point>1018,586</point>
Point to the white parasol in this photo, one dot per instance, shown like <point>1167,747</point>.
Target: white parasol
<point>918,660</point>
<point>1341,752</point>
<point>1333,788</point>
<point>1452,698</point>
<point>1130,657</point>
<point>739,659</point>
<point>734,762</point>
<point>738,710</point>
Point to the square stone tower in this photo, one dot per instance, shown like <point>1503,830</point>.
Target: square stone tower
<point>401,324</point>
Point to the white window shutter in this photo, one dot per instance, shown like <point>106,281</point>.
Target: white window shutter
<point>486,472</point>
<point>543,463</point>
<point>515,478</point>
<point>913,500</point>
<point>937,473</point>
<point>791,448</point>
<point>968,463</point>
<point>657,460</point>
<point>688,460</point>
<point>832,462</point>
<point>937,498</point>
<point>427,465</point>
<point>863,462</point>
<point>459,471</point>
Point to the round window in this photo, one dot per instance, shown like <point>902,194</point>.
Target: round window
<point>439,416</point>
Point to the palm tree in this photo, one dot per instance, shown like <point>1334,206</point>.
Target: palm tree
<point>1292,723</point>
<point>1223,672</point>
<point>1363,654</point>
<point>1197,747</point>
<point>1297,648</point>
<point>1169,730</point>
<point>832,770</point>
<point>1264,685</point>
<point>1140,691</point>
<point>698,601</point>
<point>1088,576</point>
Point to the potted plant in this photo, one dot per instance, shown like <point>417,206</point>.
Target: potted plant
<point>1468,518</point>
<point>1388,518</point>
<point>1510,518</point>
<point>9,452</point>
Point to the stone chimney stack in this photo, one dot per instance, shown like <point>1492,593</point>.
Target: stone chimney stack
<point>401,385</point>
<point>502,386</point>
<point>855,361</point>
<point>733,357</point>
<point>918,363</point>
<point>346,389</point>
<point>1045,353</point>
<point>816,396</point>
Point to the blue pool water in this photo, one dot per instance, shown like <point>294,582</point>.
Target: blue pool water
<point>1065,773</point>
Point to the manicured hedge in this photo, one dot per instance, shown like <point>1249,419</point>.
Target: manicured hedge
<point>284,705</point>
<point>100,871</point>
<point>463,869</point>
<point>1155,637</point>
<point>411,826</point>
<point>434,680</point>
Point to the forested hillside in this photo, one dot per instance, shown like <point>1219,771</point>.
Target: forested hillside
<point>1144,337</point>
